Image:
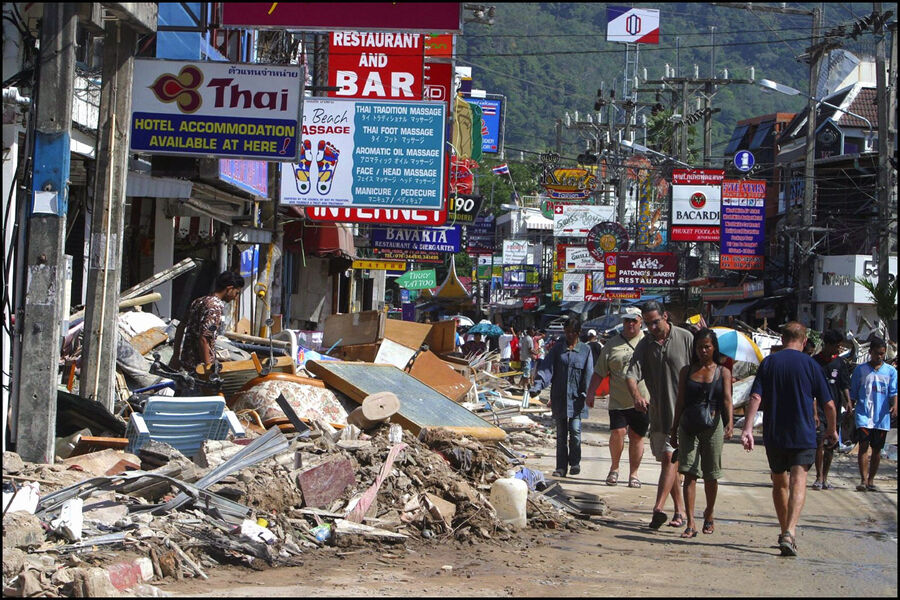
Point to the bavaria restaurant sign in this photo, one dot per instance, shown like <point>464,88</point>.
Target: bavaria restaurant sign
<point>216,109</point>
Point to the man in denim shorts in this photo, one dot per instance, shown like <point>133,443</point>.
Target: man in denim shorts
<point>787,386</point>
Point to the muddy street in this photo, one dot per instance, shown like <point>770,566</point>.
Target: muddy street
<point>847,545</point>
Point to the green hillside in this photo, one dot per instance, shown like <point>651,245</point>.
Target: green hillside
<point>550,58</point>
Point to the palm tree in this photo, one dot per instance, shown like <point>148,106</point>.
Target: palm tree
<point>885,298</point>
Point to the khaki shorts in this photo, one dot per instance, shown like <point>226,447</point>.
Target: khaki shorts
<point>659,445</point>
<point>701,454</point>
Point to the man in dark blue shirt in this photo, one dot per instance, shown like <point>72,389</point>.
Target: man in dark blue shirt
<point>567,369</point>
<point>787,386</point>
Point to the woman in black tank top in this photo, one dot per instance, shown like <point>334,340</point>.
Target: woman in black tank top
<point>701,383</point>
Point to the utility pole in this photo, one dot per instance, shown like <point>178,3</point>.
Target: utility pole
<point>108,217</point>
<point>41,325</point>
<point>887,114</point>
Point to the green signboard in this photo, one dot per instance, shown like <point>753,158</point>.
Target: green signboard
<point>418,280</point>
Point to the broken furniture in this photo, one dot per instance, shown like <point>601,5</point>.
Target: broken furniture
<point>236,373</point>
<point>420,405</point>
<point>376,408</point>
<point>183,423</point>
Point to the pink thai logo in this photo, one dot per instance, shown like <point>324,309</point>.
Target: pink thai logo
<point>633,24</point>
<point>182,89</point>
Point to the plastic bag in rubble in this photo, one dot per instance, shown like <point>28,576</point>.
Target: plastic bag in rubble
<point>460,458</point>
<point>534,479</point>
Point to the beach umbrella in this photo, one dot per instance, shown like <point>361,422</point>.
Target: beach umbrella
<point>487,329</point>
<point>737,345</point>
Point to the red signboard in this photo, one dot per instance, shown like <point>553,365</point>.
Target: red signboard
<point>397,216</point>
<point>375,64</point>
<point>696,204</point>
<point>644,269</point>
<point>439,46</point>
<point>529,302</point>
<point>331,16</point>
<point>438,81</point>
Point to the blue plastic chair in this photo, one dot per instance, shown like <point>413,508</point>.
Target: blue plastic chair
<point>183,423</point>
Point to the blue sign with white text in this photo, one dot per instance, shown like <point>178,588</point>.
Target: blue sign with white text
<point>422,239</point>
<point>490,122</point>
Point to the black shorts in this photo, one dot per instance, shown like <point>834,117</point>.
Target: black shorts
<point>630,417</point>
<point>782,459</point>
<point>872,437</point>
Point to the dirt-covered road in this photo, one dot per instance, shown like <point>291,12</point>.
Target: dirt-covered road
<point>847,542</point>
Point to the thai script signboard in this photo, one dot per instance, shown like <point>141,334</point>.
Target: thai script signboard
<point>216,109</point>
<point>480,235</point>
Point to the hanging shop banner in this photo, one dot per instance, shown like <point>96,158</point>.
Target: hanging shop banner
<point>480,235</point>
<point>463,209</point>
<point>371,154</point>
<point>516,252</point>
<point>395,216</point>
<point>327,16</point>
<point>632,25</point>
<point>604,237</point>
<point>521,277</point>
<point>462,175</point>
<point>216,109</point>
<point>696,204</point>
<point>641,269</point>
<point>376,65</point>
<point>491,111</point>
<point>743,225</point>
<point>574,220</point>
<point>418,280</point>
<point>419,257</point>
<point>420,239</point>
<point>248,175</point>
<point>569,184</point>
<point>579,258</point>
<point>530,302</point>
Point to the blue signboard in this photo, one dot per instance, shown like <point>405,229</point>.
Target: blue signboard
<point>743,225</point>
<point>480,235</point>
<point>521,277</point>
<point>491,109</point>
<point>744,161</point>
<point>422,239</point>
<point>250,261</point>
<point>368,154</point>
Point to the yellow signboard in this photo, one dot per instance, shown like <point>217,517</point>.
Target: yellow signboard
<point>380,265</point>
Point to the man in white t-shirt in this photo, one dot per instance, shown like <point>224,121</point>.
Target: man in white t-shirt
<point>505,341</point>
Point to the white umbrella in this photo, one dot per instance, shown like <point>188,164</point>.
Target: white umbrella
<point>461,320</point>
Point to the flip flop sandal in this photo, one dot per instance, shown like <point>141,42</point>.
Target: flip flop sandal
<point>861,488</point>
<point>634,482</point>
<point>709,527</point>
<point>827,486</point>
<point>658,519</point>
<point>689,532</point>
<point>612,478</point>
<point>817,485</point>
<point>677,520</point>
<point>871,488</point>
<point>788,544</point>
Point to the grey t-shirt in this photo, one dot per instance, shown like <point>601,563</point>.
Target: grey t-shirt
<point>526,345</point>
<point>658,365</point>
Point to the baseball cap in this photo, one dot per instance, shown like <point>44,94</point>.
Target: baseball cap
<point>592,332</point>
<point>632,313</point>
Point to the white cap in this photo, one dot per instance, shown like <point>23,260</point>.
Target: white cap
<point>632,312</point>
<point>592,332</point>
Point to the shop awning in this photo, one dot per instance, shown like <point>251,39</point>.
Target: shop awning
<point>324,240</point>
<point>537,221</point>
<point>141,185</point>
<point>733,309</point>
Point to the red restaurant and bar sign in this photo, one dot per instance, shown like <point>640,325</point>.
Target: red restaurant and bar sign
<point>370,64</point>
<point>641,269</point>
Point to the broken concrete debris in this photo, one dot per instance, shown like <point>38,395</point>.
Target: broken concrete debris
<point>402,469</point>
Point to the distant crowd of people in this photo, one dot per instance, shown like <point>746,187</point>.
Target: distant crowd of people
<point>676,385</point>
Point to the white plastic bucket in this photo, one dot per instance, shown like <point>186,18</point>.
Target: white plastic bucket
<point>508,497</point>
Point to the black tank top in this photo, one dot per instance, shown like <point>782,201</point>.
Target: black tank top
<point>698,391</point>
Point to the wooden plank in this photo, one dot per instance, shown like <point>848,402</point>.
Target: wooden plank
<point>438,375</point>
<point>365,327</point>
<point>442,338</point>
<point>358,352</point>
<point>420,405</point>
<point>148,340</point>
<point>92,443</point>
<point>283,377</point>
<point>406,333</point>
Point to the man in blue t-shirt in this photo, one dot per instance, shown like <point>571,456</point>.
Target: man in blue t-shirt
<point>787,385</point>
<point>873,391</point>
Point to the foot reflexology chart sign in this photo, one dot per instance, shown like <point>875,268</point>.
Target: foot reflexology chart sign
<point>368,154</point>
